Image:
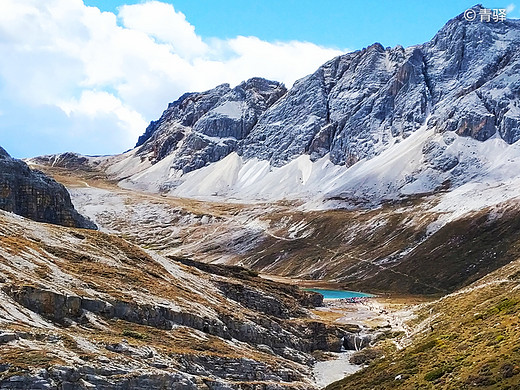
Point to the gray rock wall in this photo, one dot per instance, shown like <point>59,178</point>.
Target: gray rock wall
<point>32,194</point>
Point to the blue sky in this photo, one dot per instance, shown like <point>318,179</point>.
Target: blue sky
<point>332,23</point>
<point>88,76</point>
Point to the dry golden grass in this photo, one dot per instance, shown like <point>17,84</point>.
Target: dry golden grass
<point>329,316</point>
<point>467,340</point>
<point>17,244</point>
<point>23,358</point>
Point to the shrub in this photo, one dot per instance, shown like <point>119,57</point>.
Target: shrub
<point>437,373</point>
<point>506,306</point>
<point>133,334</point>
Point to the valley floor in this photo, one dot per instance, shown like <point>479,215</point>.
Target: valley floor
<point>388,315</point>
<point>338,367</point>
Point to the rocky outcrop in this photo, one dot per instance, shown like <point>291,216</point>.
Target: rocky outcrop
<point>200,128</point>
<point>243,285</point>
<point>356,342</point>
<point>87,377</point>
<point>291,342</point>
<point>260,330</point>
<point>253,299</point>
<point>32,194</point>
<point>122,318</point>
<point>240,369</point>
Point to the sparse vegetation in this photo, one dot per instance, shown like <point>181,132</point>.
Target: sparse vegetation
<point>133,334</point>
<point>22,359</point>
<point>473,343</point>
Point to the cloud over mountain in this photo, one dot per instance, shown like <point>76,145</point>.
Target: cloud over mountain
<point>77,71</point>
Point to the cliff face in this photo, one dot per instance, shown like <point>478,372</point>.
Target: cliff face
<point>355,105</point>
<point>32,194</point>
<point>201,128</point>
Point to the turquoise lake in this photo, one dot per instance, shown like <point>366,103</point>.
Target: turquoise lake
<point>339,294</point>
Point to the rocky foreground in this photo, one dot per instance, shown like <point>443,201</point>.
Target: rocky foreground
<point>84,309</point>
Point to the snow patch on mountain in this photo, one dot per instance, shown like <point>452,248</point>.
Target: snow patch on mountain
<point>128,164</point>
<point>231,109</point>
<point>424,162</point>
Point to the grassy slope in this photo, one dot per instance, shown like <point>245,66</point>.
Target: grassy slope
<point>473,344</point>
<point>368,250</point>
<point>458,254</point>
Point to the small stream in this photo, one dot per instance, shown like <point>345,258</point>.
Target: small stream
<point>330,371</point>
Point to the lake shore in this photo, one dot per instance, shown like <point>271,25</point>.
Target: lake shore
<point>389,312</point>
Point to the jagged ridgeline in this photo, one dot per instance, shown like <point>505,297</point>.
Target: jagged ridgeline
<point>32,194</point>
<point>463,80</point>
<point>385,108</point>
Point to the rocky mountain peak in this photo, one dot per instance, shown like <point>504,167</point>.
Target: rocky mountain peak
<point>356,104</point>
<point>3,153</point>
<point>353,108</point>
<point>200,128</point>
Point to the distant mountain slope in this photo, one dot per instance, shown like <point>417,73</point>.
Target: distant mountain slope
<point>34,195</point>
<point>464,83</point>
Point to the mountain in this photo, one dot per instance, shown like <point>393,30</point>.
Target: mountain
<point>34,195</point>
<point>431,117</point>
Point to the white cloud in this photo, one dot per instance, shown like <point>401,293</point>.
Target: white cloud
<point>510,8</point>
<point>161,21</point>
<point>298,58</point>
<point>94,104</point>
<point>60,53</point>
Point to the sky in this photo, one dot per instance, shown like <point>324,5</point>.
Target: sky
<point>88,76</point>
